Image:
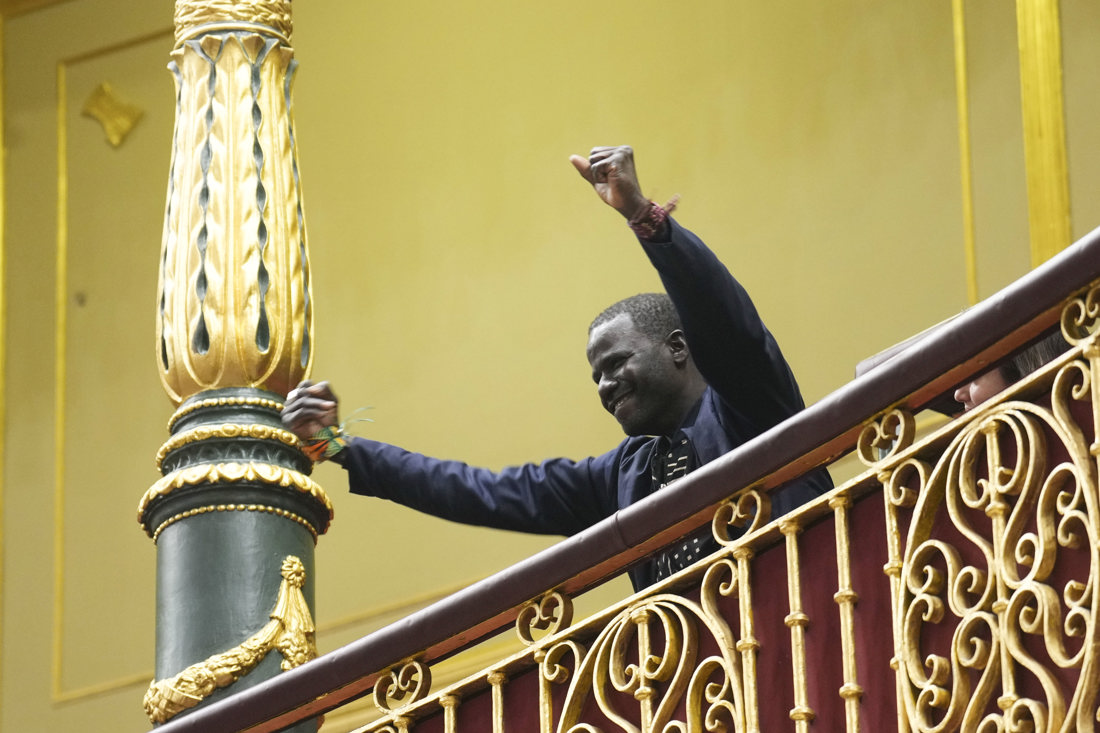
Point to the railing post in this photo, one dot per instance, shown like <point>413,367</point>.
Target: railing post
<point>235,516</point>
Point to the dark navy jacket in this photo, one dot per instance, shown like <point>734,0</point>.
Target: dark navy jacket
<point>751,388</point>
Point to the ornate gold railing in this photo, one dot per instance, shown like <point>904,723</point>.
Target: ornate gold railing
<point>951,584</point>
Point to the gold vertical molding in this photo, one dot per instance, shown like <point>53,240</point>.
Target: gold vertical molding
<point>796,621</point>
<point>1040,39</point>
<point>58,693</point>
<point>59,381</point>
<point>962,102</point>
<point>3,338</point>
<point>846,599</point>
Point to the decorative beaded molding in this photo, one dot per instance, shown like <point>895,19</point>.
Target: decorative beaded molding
<point>235,508</point>
<point>227,430</point>
<point>234,473</point>
<point>223,402</point>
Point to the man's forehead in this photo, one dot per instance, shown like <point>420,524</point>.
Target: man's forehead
<point>612,333</point>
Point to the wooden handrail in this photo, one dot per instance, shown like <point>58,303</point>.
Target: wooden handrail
<point>912,378</point>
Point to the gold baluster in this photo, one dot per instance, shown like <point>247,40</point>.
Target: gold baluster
<point>796,621</point>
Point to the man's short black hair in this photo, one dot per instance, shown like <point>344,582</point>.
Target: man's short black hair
<point>652,313</point>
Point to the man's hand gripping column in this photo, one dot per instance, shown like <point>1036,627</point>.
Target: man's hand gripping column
<point>311,412</point>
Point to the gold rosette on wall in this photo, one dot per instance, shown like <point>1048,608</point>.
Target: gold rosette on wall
<point>234,306</point>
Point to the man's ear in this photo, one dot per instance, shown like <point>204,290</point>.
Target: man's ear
<point>678,347</point>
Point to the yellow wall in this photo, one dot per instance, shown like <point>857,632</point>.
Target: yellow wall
<point>457,258</point>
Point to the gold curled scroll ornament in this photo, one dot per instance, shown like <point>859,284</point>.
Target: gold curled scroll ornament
<point>549,614</point>
<point>402,686</point>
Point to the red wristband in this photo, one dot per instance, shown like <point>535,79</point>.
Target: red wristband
<point>653,219</point>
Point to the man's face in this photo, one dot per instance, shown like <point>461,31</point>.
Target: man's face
<point>637,378</point>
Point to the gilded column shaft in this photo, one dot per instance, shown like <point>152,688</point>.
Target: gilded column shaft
<point>1042,101</point>
<point>234,306</point>
<point>235,508</point>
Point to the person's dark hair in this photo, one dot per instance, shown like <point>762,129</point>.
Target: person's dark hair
<point>1039,353</point>
<point>652,313</point>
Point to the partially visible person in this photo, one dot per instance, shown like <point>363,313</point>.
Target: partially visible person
<point>1010,371</point>
<point>689,374</point>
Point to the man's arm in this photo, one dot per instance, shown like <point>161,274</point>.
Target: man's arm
<point>733,350</point>
<point>557,496</point>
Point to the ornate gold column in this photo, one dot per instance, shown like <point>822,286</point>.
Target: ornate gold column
<point>235,516</point>
<point>1040,38</point>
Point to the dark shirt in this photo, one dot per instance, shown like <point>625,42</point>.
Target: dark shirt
<point>750,389</point>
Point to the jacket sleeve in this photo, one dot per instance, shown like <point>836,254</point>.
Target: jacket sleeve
<point>557,496</point>
<point>734,351</point>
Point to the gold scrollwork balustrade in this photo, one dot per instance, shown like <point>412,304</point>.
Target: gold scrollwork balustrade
<point>664,661</point>
<point>994,585</point>
<point>650,653</point>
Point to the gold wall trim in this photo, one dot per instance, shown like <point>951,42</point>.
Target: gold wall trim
<point>966,164</point>
<point>3,340</point>
<point>15,8</point>
<point>1040,40</point>
<point>59,381</point>
<point>57,692</point>
<point>101,51</point>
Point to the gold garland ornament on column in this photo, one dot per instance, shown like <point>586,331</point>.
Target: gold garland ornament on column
<point>290,630</point>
